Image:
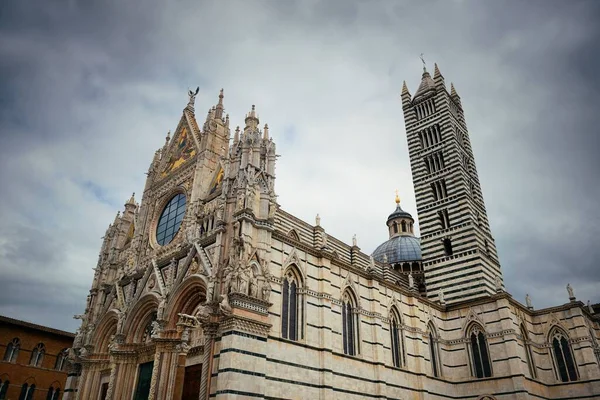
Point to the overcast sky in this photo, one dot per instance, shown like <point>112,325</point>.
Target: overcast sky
<point>89,89</point>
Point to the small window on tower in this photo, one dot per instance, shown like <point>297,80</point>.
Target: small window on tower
<point>448,246</point>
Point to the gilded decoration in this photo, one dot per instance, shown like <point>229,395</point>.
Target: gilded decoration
<point>182,151</point>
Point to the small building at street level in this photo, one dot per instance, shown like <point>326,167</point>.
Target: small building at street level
<point>208,288</point>
<point>35,361</point>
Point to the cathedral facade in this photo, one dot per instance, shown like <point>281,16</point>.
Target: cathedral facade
<point>209,289</point>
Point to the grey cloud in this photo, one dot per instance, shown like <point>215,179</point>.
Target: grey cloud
<point>89,90</point>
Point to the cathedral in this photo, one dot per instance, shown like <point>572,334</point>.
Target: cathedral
<point>208,288</point>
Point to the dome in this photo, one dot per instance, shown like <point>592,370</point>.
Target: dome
<point>399,213</point>
<point>399,249</point>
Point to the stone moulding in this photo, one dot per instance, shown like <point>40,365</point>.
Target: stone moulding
<point>243,324</point>
<point>240,300</point>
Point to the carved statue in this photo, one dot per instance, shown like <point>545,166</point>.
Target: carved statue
<point>354,240</point>
<point>78,341</point>
<point>266,290</point>
<point>185,335</point>
<point>194,266</point>
<point>156,329</point>
<point>83,352</point>
<point>192,96</point>
<point>160,313</point>
<point>253,287</point>
<point>590,308</point>
<point>318,220</point>
<point>121,321</point>
<point>385,259</point>
<point>570,291</point>
<point>411,281</point>
<point>210,289</point>
<point>498,281</point>
<point>240,202</point>
<point>528,301</point>
<point>203,314</point>
<point>224,305</point>
<point>441,297</point>
<point>89,334</point>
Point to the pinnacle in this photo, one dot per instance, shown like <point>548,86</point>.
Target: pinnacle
<point>452,90</point>
<point>436,71</point>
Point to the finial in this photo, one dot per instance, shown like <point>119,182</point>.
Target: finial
<point>423,61</point>
<point>397,197</point>
<point>266,132</point>
<point>253,107</point>
<point>168,137</point>
<point>236,136</point>
<point>131,199</point>
<point>221,96</point>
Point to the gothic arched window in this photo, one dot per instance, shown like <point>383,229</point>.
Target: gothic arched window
<point>53,393</point>
<point>12,350</point>
<point>350,331</point>
<point>480,359</point>
<point>37,355</point>
<point>61,360</point>
<point>528,354</point>
<point>292,310</point>
<point>433,351</point>
<point>563,356</point>
<point>397,338</point>
<point>27,392</point>
<point>3,389</point>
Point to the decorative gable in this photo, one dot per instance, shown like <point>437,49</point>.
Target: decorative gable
<point>181,149</point>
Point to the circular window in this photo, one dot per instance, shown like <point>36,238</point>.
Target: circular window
<point>170,220</point>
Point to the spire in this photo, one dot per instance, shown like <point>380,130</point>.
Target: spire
<point>427,84</point>
<point>453,91</point>
<point>266,132</point>
<point>436,71</point>
<point>236,136</point>
<point>219,108</point>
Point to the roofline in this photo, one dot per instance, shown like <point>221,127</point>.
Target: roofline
<point>31,325</point>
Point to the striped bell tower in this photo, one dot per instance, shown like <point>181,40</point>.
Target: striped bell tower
<point>459,253</point>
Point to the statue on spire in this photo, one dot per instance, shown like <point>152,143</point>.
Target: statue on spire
<point>192,96</point>
<point>423,61</point>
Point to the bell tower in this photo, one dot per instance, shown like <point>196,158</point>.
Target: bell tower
<point>459,253</point>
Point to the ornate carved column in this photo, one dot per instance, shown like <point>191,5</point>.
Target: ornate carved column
<point>154,380</point>
<point>210,333</point>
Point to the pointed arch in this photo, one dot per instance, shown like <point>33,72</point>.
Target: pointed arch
<point>563,358</point>
<point>481,366</point>
<point>186,298</point>
<point>434,351</point>
<point>37,355</point>
<point>527,349</point>
<point>12,350</point>
<point>4,383</point>
<point>350,322</point>
<point>106,327</point>
<point>292,304</point>
<point>397,338</point>
<point>139,318</point>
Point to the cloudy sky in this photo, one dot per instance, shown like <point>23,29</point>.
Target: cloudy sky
<point>89,89</point>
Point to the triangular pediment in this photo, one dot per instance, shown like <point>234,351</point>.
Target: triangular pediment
<point>182,148</point>
<point>216,184</point>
